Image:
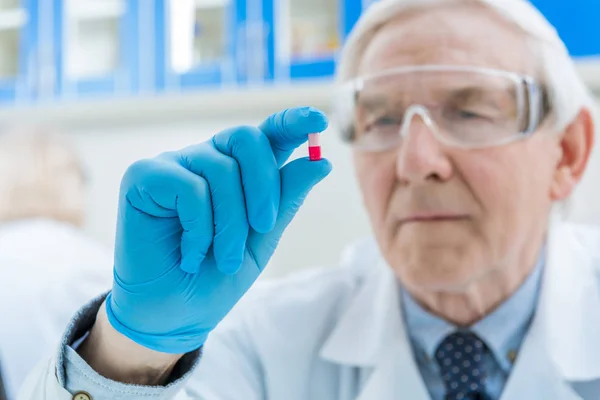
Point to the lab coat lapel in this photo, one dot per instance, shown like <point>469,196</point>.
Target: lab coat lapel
<point>570,302</point>
<point>371,335</point>
<point>562,345</point>
<point>534,375</point>
<point>395,377</point>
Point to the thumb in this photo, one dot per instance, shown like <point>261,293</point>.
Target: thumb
<point>289,129</point>
<point>297,180</point>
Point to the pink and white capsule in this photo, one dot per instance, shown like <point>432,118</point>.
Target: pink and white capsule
<point>314,147</point>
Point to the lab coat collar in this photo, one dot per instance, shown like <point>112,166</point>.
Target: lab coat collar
<point>567,320</point>
<point>371,321</point>
<point>568,316</point>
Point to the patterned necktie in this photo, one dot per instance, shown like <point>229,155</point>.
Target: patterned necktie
<point>460,357</point>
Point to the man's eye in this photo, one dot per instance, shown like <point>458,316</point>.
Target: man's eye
<point>466,114</point>
<point>383,121</point>
<point>469,114</point>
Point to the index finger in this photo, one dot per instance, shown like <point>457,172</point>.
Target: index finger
<point>288,129</point>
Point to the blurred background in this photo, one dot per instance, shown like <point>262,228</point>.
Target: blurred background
<point>127,79</point>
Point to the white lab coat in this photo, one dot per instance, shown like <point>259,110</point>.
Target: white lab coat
<point>337,334</point>
<point>48,270</point>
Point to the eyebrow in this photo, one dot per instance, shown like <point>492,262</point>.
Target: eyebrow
<point>474,93</point>
<point>370,102</point>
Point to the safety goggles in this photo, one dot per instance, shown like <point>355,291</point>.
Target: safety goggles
<point>466,107</point>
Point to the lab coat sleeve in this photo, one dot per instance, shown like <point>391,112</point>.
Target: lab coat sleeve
<point>66,373</point>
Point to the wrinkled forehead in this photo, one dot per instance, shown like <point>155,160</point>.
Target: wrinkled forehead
<point>458,34</point>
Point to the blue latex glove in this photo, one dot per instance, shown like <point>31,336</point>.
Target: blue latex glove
<point>196,228</point>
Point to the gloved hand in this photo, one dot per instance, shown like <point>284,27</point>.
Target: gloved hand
<point>196,228</point>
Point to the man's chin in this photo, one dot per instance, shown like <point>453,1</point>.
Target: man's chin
<point>438,283</point>
<point>437,272</point>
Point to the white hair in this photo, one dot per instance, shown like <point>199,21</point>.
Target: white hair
<point>568,93</point>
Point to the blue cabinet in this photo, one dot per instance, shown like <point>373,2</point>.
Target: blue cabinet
<point>96,47</point>
<point>304,36</point>
<point>199,43</point>
<point>577,22</point>
<point>18,50</point>
<point>60,49</point>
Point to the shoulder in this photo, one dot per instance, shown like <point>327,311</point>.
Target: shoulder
<point>46,239</point>
<point>54,269</point>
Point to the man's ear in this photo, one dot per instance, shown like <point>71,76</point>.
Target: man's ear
<point>576,145</point>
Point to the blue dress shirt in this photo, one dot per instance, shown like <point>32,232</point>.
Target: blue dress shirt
<point>503,331</point>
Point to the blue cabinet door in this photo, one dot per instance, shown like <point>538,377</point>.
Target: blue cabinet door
<point>96,49</point>
<point>199,43</point>
<point>18,48</point>
<point>577,22</point>
<point>304,36</point>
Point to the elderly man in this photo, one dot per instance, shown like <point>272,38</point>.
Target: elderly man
<point>469,126</point>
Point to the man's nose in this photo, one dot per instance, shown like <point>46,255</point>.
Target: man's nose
<point>421,157</point>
